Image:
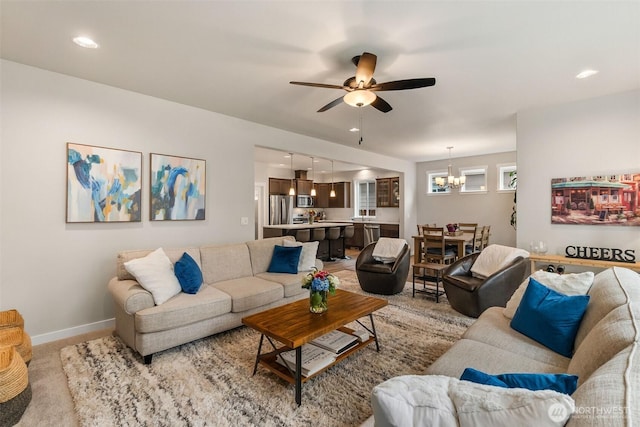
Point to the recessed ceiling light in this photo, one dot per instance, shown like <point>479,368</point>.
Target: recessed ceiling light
<point>586,73</point>
<point>85,42</point>
<point>354,130</point>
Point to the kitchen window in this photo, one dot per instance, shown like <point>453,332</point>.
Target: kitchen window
<point>365,198</point>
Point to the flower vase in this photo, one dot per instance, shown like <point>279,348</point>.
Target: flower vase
<point>318,301</point>
<point>310,220</point>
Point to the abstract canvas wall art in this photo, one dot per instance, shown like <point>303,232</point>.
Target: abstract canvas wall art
<point>177,188</point>
<point>103,184</point>
<point>596,200</point>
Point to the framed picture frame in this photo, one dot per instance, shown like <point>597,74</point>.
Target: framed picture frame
<point>178,188</point>
<point>596,200</point>
<point>103,184</point>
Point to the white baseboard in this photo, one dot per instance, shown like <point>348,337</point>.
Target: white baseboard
<point>71,332</point>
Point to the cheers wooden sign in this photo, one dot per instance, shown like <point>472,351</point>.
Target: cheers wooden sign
<point>603,254</point>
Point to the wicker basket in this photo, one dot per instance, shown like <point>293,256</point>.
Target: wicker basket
<point>11,319</point>
<point>18,338</point>
<point>15,390</point>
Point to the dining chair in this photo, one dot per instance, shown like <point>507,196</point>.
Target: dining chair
<point>434,248</point>
<point>476,242</point>
<point>485,236</point>
<point>468,227</point>
<point>424,225</point>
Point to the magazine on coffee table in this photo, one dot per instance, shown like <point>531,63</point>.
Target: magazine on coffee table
<point>314,358</point>
<point>336,341</point>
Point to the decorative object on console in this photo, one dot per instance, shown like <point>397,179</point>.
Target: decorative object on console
<point>103,184</point>
<point>601,254</point>
<point>596,200</point>
<point>320,285</point>
<point>177,188</point>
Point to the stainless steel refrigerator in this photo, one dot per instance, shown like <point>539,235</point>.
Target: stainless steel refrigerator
<point>281,210</point>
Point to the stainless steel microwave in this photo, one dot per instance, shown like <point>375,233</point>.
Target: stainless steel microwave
<point>305,202</point>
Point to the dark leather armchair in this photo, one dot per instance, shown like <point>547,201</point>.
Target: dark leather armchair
<point>471,295</point>
<point>379,278</point>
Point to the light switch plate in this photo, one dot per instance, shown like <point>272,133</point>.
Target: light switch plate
<point>244,220</point>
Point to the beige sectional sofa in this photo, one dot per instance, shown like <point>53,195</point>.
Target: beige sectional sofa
<point>236,284</point>
<point>606,355</point>
<point>606,359</point>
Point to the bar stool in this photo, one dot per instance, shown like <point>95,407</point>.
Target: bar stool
<point>371,234</point>
<point>333,235</point>
<point>303,235</point>
<point>319,234</point>
<point>347,233</point>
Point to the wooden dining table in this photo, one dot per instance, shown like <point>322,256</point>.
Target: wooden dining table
<point>460,241</point>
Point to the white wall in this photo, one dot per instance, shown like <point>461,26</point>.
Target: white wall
<point>56,273</point>
<point>491,208</point>
<point>599,136</point>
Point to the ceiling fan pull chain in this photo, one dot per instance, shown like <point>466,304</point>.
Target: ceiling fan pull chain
<point>360,126</point>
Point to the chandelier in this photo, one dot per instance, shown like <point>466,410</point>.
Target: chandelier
<point>451,181</point>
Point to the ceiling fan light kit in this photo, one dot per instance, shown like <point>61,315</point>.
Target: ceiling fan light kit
<point>359,98</point>
<point>360,87</point>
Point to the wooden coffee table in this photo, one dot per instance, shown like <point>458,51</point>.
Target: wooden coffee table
<point>293,325</point>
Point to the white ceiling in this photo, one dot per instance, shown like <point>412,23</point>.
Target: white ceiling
<point>490,59</point>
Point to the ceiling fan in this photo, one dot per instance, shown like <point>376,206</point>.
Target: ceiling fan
<point>362,86</point>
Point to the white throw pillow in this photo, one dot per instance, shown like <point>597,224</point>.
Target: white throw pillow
<point>486,405</point>
<point>307,256</point>
<point>494,258</point>
<point>427,400</point>
<point>155,273</point>
<point>568,284</point>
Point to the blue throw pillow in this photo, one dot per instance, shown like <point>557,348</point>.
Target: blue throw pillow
<point>549,317</point>
<point>562,383</point>
<point>188,274</point>
<point>285,259</point>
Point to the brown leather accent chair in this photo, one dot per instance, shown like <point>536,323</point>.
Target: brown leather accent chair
<point>471,295</point>
<point>379,278</point>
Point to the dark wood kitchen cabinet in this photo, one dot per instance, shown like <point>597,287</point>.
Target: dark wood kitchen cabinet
<point>343,195</point>
<point>388,192</point>
<point>357,240</point>
<point>322,198</point>
<point>303,187</point>
<point>279,186</point>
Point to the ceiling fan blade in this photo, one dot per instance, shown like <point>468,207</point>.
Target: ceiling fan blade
<point>330,105</point>
<point>366,66</point>
<point>381,105</point>
<point>404,84</point>
<point>319,85</point>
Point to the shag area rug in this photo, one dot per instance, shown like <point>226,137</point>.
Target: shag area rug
<point>208,382</point>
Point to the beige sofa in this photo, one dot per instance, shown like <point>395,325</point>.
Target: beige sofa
<point>606,357</point>
<point>236,284</point>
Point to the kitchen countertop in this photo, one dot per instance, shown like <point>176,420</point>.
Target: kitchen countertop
<point>305,226</point>
<point>361,221</point>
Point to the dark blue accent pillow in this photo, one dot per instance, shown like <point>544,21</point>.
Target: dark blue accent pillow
<point>188,274</point>
<point>285,259</point>
<point>549,317</point>
<point>562,383</point>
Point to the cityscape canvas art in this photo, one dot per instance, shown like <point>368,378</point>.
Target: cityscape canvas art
<point>103,184</point>
<point>177,188</point>
<point>597,200</point>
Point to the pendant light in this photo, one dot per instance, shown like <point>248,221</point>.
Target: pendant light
<point>333,192</point>
<point>292,190</point>
<point>313,179</point>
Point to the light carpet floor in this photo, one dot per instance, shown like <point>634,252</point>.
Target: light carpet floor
<point>209,381</point>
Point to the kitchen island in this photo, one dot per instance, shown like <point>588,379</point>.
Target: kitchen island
<point>337,247</point>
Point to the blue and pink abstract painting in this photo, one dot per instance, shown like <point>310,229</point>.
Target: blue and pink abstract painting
<point>177,188</point>
<point>103,184</point>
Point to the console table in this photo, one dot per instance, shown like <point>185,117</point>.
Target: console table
<point>563,260</point>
